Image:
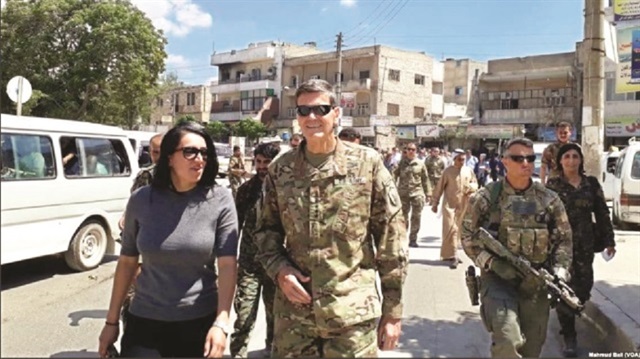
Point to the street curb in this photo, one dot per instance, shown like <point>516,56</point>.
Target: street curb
<point>620,333</point>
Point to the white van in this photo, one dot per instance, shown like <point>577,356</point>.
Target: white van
<point>65,185</point>
<point>140,143</point>
<point>626,187</point>
<point>608,163</point>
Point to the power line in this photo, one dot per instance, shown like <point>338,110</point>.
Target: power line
<point>400,5</point>
<point>372,20</point>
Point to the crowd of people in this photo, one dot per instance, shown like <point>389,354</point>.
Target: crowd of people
<point>317,227</point>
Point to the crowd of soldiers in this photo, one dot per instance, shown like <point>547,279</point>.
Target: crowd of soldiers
<point>320,222</point>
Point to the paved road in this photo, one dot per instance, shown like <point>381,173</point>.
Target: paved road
<point>49,311</point>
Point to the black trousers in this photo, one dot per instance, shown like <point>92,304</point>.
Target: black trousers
<point>148,338</point>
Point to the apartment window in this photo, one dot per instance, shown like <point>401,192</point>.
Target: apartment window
<point>27,157</point>
<point>437,88</point>
<point>239,75</point>
<point>191,98</point>
<point>337,76</point>
<point>363,109</point>
<point>159,102</point>
<point>252,100</point>
<point>364,75</point>
<point>418,112</point>
<point>175,99</point>
<point>394,75</point>
<point>294,81</point>
<point>393,109</point>
<point>291,112</point>
<point>509,104</point>
<point>225,76</point>
<point>459,91</point>
<point>94,157</point>
<point>419,80</point>
<point>315,77</point>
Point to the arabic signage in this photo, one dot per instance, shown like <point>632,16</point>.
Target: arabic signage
<point>628,71</point>
<point>490,131</point>
<point>622,126</point>
<point>626,10</point>
<point>428,131</point>
<point>379,120</point>
<point>346,121</point>
<point>365,131</point>
<point>406,133</point>
<point>348,100</point>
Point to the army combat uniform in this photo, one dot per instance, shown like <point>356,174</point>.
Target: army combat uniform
<point>413,186</point>
<point>549,159</point>
<point>235,163</point>
<point>531,223</point>
<point>251,276</point>
<point>580,203</point>
<point>435,167</point>
<point>343,225</point>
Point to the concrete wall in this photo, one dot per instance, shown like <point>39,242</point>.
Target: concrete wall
<point>531,63</point>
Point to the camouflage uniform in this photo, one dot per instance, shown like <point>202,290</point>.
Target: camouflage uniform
<point>235,163</point>
<point>143,178</point>
<point>435,167</point>
<point>413,184</point>
<point>343,225</point>
<point>549,159</point>
<point>580,203</point>
<point>531,223</point>
<point>251,275</point>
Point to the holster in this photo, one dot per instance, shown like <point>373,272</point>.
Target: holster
<point>473,285</point>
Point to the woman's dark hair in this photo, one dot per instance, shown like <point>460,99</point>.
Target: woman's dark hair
<point>171,141</point>
<point>566,148</point>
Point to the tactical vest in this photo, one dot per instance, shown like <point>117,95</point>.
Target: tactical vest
<point>522,224</point>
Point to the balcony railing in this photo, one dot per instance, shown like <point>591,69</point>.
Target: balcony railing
<point>246,78</point>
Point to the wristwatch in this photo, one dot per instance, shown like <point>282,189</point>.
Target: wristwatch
<point>226,327</point>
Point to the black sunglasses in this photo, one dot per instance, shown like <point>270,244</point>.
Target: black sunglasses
<point>320,110</point>
<point>190,153</point>
<point>520,159</point>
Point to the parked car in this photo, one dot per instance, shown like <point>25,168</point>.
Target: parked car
<point>224,153</point>
<point>626,187</point>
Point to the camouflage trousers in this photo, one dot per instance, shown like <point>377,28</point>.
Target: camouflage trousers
<point>518,325</point>
<point>245,304</point>
<point>434,182</point>
<point>415,206</point>
<point>581,282</point>
<point>300,336</point>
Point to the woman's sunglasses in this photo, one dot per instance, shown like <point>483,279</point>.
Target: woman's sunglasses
<point>319,110</point>
<point>520,159</point>
<point>190,153</point>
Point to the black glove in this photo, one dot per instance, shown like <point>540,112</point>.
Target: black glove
<point>502,268</point>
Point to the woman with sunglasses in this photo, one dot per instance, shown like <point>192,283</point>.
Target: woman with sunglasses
<point>182,224</point>
<point>582,196</point>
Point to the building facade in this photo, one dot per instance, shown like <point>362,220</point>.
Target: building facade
<point>182,101</point>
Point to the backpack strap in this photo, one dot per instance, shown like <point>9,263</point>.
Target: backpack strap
<point>494,208</point>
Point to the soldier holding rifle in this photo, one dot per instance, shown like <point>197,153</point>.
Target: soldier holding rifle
<point>530,222</point>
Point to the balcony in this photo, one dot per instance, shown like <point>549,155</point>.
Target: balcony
<point>357,85</point>
<point>244,83</point>
<point>244,56</point>
<point>529,115</point>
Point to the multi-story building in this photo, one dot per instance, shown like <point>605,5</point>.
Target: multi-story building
<point>459,77</point>
<point>526,96</point>
<point>387,93</point>
<point>249,81</point>
<point>182,101</point>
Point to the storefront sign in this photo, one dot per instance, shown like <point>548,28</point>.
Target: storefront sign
<point>348,100</point>
<point>622,127</point>
<point>406,133</point>
<point>628,71</point>
<point>490,131</point>
<point>428,131</point>
<point>379,120</point>
<point>365,131</point>
<point>626,10</point>
<point>346,121</point>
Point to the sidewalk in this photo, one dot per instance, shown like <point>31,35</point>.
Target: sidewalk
<point>614,308</point>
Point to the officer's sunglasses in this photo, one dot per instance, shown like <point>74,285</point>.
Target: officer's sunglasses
<point>520,159</point>
<point>319,110</point>
<point>190,153</point>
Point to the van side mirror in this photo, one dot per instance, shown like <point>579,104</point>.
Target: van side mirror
<point>611,169</point>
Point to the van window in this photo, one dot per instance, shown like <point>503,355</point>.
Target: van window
<point>94,157</point>
<point>27,157</point>
<point>618,173</point>
<point>635,166</point>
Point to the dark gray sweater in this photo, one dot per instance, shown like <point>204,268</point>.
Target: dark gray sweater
<point>179,235</point>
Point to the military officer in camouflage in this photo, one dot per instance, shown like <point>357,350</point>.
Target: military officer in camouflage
<point>549,168</point>
<point>435,166</point>
<point>583,199</point>
<point>251,275</point>
<point>331,222</point>
<point>414,188</point>
<point>530,221</point>
<point>237,171</point>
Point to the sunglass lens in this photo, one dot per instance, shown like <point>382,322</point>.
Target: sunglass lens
<point>304,110</point>
<point>322,110</point>
<point>531,158</point>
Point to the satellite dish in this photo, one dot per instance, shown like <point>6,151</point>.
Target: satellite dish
<point>13,89</point>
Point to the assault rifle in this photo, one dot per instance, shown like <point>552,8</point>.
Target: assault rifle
<point>556,287</point>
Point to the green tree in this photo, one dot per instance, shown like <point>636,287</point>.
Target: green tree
<point>217,130</point>
<point>90,60</point>
<point>250,129</point>
<point>184,119</point>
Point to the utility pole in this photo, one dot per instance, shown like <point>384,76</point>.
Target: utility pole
<point>339,80</point>
<point>593,88</point>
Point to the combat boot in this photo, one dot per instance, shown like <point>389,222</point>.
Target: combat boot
<point>570,346</point>
<point>413,244</point>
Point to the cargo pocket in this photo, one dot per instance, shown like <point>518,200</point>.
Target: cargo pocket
<point>513,240</point>
<point>527,242</point>
<point>541,246</point>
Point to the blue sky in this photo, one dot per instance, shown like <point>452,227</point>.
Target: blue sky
<point>477,29</point>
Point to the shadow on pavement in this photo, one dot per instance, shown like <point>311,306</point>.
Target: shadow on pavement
<point>429,262</point>
<point>76,354</point>
<point>428,239</point>
<point>76,317</point>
